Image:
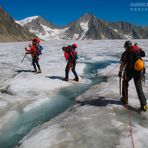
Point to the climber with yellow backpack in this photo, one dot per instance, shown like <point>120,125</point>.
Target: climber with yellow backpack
<point>132,66</point>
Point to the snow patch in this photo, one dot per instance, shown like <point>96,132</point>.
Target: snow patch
<point>34,31</point>
<point>26,20</point>
<point>51,33</point>
<point>84,27</point>
<point>76,36</point>
<point>115,30</point>
<point>126,36</point>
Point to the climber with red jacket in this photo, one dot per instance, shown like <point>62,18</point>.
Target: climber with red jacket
<point>71,56</point>
<point>35,51</point>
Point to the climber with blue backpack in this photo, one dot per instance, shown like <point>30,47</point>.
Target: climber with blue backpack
<point>132,66</point>
<point>35,50</point>
<point>71,57</point>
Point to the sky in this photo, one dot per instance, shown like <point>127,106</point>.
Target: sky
<point>62,12</point>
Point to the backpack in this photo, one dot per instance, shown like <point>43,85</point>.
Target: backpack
<point>73,54</point>
<point>39,49</point>
<point>134,56</point>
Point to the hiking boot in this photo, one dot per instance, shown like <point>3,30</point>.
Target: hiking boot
<point>124,101</point>
<point>34,70</point>
<point>144,108</point>
<point>76,79</point>
<point>39,71</point>
<point>65,79</point>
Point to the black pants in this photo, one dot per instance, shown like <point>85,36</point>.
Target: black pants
<point>128,75</point>
<point>70,65</point>
<point>35,62</point>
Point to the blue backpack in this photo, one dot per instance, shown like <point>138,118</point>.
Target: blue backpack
<point>39,49</point>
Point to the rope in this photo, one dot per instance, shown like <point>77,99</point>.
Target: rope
<point>130,127</point>
<point>129,115</point>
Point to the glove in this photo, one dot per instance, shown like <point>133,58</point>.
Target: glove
<point>120,74</point>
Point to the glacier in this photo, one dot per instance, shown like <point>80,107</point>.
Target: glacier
<point>96,118</point>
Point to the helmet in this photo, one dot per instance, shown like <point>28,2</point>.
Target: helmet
<point>127,44</point>
<point>36,40</point>
<point>75,45</point>
<point>139,65</point>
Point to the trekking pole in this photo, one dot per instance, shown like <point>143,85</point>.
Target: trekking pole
<point>23,58</point>
<point>28,58</point>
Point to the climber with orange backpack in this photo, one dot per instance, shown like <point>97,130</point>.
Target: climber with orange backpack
<point>132,66</point>
<point>71,56</point>
<point>35,50</point>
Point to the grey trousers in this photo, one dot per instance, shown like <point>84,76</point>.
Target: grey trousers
<point>136,75</point>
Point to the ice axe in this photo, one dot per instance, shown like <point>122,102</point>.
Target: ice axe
<point>120,85</point>
<point>23,58</point>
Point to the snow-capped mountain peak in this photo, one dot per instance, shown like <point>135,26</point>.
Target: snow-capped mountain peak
<point>88,16</point>
<point>42,28</point>
<point>87,26</point>
<point>27,20</point>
